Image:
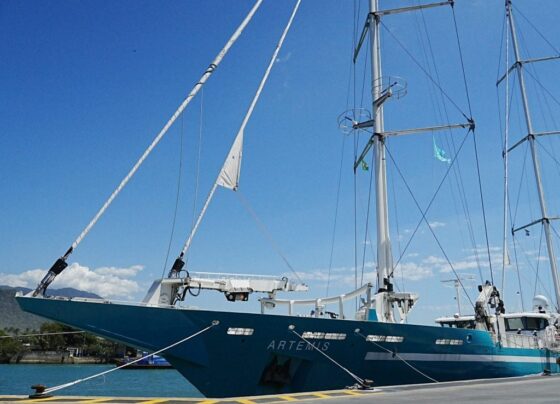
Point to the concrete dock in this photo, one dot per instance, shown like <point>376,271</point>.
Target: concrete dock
<point>531,389</point>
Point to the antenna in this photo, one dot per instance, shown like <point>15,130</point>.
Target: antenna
<point>457,285</point>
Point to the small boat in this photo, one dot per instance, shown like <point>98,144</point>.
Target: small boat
<point>148,362</point>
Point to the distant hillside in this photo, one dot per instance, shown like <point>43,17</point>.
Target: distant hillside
<point>12,316</point>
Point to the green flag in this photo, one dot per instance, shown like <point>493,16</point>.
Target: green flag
<point>440,154</point>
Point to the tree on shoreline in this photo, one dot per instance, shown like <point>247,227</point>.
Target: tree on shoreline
<point>9,347</point>
<point>88,344</point>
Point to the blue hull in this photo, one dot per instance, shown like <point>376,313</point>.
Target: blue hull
<point>275,360</point>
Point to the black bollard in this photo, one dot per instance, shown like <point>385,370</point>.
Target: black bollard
<point>39,391</point>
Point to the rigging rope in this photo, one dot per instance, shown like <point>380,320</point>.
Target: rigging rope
<point>395,353</point>
<point>505,156</point>
<point>518,272</point>
<point>538,261</point>
<point>355,220</point>
<point>264,230</point>
<point>66,385</point>
<point>356,144</point>
<point>475,145</point>
<point>548,153</point>
<point>61,264</point>
<point>395,209</point>
<point>483,208</point>
<point>196,186</point>
<point>239,135</point>
<point>177,196</point>
<point>429,62</point>
<point>521,182</point>
<point>457,168</point>
<point>547,91</point>
<point>336,213</point>
<point>351,81</point>
<point>366,234</point>
<point>517,10</point>
<point>361,382</point>
<point>462,61</point>
<point>424,212</point>
<point>356,191</point>
<point>423,69</point>
<point>531,266</point>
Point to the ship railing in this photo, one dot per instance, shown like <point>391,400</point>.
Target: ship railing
<point>521,341</point>
<point>221,275</point>
<point>120,302</point>
<point>318,304</point>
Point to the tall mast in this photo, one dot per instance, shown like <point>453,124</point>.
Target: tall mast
<point>384,255</point>
<point>386,301</point>
<point>536,165</point>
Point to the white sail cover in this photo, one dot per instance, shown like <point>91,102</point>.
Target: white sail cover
<point>229,176</point>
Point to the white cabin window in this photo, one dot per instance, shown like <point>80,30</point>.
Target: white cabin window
<point>384,338</point>
<point>526,323</point>
<point>449,342</point>
<point>313,335</point>
<point>335,335</point>
<point>240,331</point>
<point>323,335</point>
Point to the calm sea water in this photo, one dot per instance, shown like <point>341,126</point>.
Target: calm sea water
<point>17,379</point>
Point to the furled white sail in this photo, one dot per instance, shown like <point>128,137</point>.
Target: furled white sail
<point>229,176</point>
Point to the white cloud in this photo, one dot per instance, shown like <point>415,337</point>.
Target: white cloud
<point>413,271</point>
<point>462,265</point>
<point>120,272</point>
<point>408,270</point>
<point>415,267</point>
<point>435,225</point>
<point>483,249</point>
<point>109,282</point>
<point>26,279</point>
<point>343,275</point>
<point>439,308</point>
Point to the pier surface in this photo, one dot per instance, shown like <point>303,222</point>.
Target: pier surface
<point>533,389</point>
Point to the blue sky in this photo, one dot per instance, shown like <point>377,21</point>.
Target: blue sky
<point>87,85</point>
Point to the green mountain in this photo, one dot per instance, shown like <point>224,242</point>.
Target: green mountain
<point>11,316</point>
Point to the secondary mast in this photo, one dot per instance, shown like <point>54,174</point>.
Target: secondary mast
<point>545,219</point>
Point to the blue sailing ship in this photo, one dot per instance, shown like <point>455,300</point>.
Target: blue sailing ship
<point>226,354</point>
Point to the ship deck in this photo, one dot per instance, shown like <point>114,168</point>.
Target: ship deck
<point>534,389</point>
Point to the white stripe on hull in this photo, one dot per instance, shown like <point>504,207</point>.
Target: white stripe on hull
<point>374,356</point>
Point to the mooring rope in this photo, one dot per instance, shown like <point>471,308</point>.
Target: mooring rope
<point>69,384</point>
<point>396,356</point>
<point>361,382</point>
